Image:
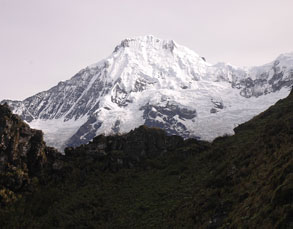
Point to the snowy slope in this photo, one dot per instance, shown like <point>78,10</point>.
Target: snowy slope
<point>158,83</point>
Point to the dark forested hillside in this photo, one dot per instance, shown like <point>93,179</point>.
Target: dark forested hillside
<point>147,179</point>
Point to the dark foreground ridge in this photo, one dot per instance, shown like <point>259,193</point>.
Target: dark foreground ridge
<point>23,156</point>
<point>147,179</point>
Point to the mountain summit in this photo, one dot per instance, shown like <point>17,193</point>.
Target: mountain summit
<point>158,83</point>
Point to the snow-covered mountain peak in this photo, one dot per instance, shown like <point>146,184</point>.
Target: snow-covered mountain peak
<point>158,83</point>
<point>152,44</point>
<point>147,42</point>
<point>149,62</point>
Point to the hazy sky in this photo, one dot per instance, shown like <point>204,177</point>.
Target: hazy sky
<point>45,41</point>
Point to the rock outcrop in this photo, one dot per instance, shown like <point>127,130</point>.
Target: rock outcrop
<point>23,154</point>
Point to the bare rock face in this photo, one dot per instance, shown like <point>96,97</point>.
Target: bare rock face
<point>23,154</point>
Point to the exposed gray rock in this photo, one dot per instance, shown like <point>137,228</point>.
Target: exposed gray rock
<point>116,127</point>
<point>85,133</point>
<point>167,120</point>
<point>266,82</point>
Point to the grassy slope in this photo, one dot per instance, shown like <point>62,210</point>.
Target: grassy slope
<point>241,181</point>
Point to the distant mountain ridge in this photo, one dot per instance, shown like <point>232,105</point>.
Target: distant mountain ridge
<point>158,83</point>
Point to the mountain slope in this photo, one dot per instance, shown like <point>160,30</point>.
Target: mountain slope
<point>158,83</point>
<point>23,155</point>
<point>249,181</point>
<point>146,179</point>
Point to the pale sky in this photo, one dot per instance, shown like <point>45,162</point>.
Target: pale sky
<point>43,42</point>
